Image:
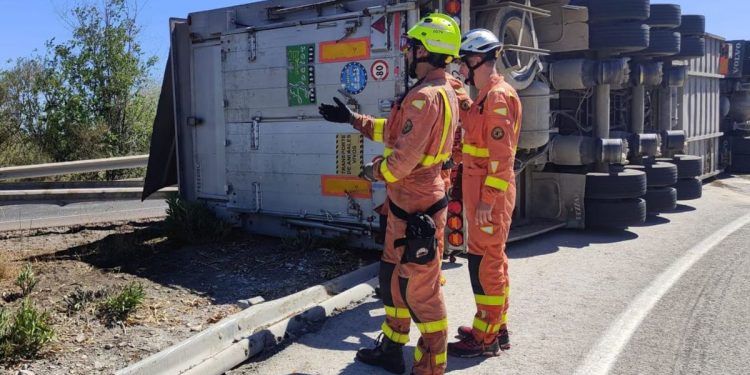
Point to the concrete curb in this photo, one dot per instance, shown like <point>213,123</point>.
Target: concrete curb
<point>236,338</point>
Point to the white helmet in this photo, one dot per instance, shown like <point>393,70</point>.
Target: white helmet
<point>479,41</point>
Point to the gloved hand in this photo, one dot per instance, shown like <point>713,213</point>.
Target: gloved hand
<point>336,113</point>
<point>368,173</point>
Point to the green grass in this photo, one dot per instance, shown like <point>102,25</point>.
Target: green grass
<point>24,335</point>
<point>117,308</point>
<point>26,280</point>
<point>193,222</point>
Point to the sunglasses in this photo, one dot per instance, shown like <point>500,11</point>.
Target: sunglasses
<point>407,43</point>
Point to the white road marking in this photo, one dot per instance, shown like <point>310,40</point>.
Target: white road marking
<point>603,355</point>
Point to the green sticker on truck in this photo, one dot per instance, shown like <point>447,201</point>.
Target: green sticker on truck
<point>300,74</point>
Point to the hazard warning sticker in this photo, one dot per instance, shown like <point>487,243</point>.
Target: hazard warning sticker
<point>379,70</point>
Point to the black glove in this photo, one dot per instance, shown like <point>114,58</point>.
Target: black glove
<point>336,113</point>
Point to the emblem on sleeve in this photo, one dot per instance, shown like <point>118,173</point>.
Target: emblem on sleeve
<point>465,105</point>
<point>498,133</point>
<point>408,126</point>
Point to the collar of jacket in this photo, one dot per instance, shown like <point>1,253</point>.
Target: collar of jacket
<point>495,79</point>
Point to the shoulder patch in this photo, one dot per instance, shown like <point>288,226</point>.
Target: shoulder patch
<point>418,103</point>
<point>498,133</point>
<point>501,111</point>
<point>407,127</point>
<point>465,105</point>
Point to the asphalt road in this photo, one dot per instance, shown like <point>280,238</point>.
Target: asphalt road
<point>34,216</point>
<point>669,297</point>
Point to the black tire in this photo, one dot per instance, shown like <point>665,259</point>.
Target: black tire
<point>661,199</point>
<point>658,174</point>
<point>741,145</point>
<point>625,184</point>
<point>688,166</point>
<point>662,43</point>
<point>619,37</point>
<point>692,46</point>
<point>740,164</point>
<point>605,11</point>
<point>615,213</point>
<point>689,189</point>
<point>667,16</point>
<point>692,25</point>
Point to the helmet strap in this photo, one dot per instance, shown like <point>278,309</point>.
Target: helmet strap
<point>487,57</point>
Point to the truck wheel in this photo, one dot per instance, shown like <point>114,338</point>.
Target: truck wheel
<point>692,46</point>
<point>619,37</point>
<point>604,11</point>
<point>625,184</point>
<point>692,25</point>
<point>661,199</point>
<point>615,213</point>
<point>519,69</point>
<point>740,164</point>
<point>688,166</point>
<point>658,174</point>
<point>668,16</point>
<point>662,43</point>
<point>689,189</point>
<point>741,145</point>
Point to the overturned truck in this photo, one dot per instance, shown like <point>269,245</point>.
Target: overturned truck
<point>621,111</point>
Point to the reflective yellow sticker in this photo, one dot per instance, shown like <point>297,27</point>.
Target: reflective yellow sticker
<point>502,111</point>
<point>418,103</point>
<point>494,165</point>
<point>488,230</point>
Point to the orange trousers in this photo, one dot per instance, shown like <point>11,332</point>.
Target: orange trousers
<point>415,294</point>
<point>488,264</point>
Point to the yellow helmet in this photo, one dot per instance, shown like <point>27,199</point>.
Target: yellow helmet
<point>439,33</point>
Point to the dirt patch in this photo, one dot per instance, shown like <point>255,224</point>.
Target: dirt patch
<point>187,288</point>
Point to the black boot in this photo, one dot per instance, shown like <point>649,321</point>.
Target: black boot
<point>386,354</point>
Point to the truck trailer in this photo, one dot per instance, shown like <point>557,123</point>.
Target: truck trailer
<point>621,111</point>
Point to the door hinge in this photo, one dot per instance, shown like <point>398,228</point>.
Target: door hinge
<point>254,135</point>
<point>252,47</point>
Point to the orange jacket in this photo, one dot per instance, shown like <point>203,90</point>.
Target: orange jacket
<point>418,137</point>
<point>491,130</point>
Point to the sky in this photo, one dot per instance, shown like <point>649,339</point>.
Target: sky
<point>25,25</point>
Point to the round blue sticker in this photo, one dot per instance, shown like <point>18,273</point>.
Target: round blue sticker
<point>354,78</point>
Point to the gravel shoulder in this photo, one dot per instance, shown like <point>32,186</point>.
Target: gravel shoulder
<point>187,287</point>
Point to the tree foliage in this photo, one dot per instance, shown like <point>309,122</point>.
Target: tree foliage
<point>88,97</point>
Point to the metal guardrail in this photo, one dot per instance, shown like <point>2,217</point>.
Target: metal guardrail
<point>72,167</point>
<point>78,195</point>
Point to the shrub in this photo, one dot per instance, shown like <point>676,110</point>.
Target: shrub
<point>26,280</point>
<point>118,307</point>
<point>26,335</point>
<point>80,299</point>
<point>193,222</point>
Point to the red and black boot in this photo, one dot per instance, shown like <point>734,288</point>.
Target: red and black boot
<point>503,338</point>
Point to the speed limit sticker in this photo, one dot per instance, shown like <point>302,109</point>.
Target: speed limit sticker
<point>379,70</point>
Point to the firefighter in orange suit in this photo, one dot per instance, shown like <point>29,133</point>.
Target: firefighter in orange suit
<point>491,129</point>
<point>417,139</point>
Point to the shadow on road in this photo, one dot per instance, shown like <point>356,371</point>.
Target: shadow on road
<point>572,238</point>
